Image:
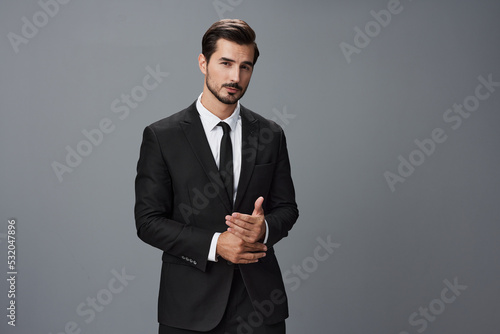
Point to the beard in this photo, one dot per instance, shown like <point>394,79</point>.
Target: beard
<point>231,98</point>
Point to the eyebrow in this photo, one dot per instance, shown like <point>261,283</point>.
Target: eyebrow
<point>249,63</point>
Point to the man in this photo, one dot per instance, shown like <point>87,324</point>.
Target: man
<point>214,193</point>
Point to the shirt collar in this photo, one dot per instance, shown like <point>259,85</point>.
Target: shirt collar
<point>211,121</point>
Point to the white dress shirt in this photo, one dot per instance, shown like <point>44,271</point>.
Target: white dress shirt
<point>214,136</point>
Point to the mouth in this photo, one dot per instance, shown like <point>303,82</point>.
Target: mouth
<point>232,90</point>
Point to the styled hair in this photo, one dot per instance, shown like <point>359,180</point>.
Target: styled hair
<point>237,31</point>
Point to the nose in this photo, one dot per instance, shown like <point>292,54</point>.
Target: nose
<point>235,74</point>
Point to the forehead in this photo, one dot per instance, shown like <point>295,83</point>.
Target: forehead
<point>232,50</point>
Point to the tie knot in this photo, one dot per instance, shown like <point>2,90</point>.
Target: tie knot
<point>225,127</point>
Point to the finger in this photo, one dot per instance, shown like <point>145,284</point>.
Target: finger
<point>244,229</point>
<point>258,211</point>
<point>251,257</point>
<point>240,224</point>
<point>236,233</point>
<point>245,218</point>
<point>248,238</point>
<point>256,247</point>
<point>244,261</point>
<point>235,229</point>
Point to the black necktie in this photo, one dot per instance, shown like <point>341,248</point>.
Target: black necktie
<point>226,160</point>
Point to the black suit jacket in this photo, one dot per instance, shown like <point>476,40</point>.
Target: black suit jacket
<point>181,202</point>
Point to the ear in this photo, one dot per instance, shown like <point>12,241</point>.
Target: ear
<point>202,62</point>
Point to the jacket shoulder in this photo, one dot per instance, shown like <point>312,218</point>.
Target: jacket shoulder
<point>172,121</point>
<point>264,122</point>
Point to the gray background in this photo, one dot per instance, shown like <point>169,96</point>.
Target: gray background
<point>346,124</point>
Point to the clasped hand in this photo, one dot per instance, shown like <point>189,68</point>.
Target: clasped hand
<point>242,242</point>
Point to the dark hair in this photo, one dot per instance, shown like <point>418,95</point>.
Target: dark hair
<point>237,31</point>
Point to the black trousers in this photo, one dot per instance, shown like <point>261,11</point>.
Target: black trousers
<point>239,317</point>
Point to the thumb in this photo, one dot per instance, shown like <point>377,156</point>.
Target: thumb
<point>258,211</point>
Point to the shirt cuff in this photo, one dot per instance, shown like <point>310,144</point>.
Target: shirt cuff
<point>212,254</point>
<point>267,232</point>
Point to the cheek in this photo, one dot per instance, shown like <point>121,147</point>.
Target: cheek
<point>246,78</point>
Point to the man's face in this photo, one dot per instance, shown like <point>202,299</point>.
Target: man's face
<point>229,70</point>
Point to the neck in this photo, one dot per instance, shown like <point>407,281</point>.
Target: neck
<point>216,107</point>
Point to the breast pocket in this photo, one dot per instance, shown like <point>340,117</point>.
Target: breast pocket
<point>262,178</point>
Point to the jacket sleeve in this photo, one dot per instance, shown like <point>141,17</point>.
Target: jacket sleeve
<point>154,205</point>
<point>280,208</point>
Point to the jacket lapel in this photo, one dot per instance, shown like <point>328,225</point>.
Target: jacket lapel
<point>195,134</point>
<point>249,144</point>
